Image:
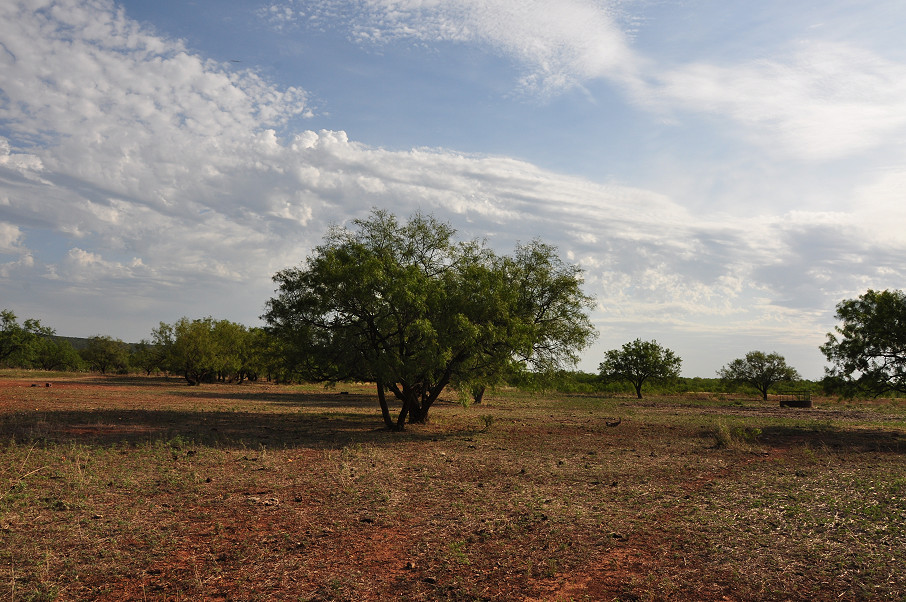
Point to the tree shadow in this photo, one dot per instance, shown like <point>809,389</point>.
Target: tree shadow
<point>333,429</point>
<point>836,438</point>
<point>328,401</point>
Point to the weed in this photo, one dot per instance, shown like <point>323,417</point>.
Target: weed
<point>735,437</point>
<point>17,482</point>
<point>457,552</point>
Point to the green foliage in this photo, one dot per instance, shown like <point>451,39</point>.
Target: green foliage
<point>52,354</point>
<point>145,356</point>
<point>639,361</point>
<point>406,306</point>
<point>759,369</point>
<point>487,420</point>
<point>19,342</point>
<point>868,351</point>
<point>106,354</point>
<point>204,349</point>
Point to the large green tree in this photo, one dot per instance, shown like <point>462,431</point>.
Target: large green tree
<point>638,362</point>
<point>408,307</point>
<point>759,369</point>
<point>868,350</point>
<point>544,294</point>
<point>18,341</point>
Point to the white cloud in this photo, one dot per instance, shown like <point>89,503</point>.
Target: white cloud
<point>814,99</point>
<point>80,265</point>
<point>86,81</point>
<point>10,239</point>
<point>25,164</point>
<point>823,101</point>
<point>12,243</point>
<point>557,49</point>
<point>138,143</point>
<point>166,177</point>
<point>880,208</point>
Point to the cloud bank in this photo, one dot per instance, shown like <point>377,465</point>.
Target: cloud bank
<point>142,182</point>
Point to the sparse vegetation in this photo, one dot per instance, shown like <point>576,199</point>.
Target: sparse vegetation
<point>553,485</point>
<point>142,488</point>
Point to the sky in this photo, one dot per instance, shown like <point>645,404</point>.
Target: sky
<point>724,173</point>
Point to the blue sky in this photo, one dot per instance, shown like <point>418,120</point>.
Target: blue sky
<point>724,172</point>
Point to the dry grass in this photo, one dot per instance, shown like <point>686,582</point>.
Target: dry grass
<point>116,489</point>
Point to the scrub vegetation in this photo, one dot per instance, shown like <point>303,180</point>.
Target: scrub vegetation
<point>116,487</point>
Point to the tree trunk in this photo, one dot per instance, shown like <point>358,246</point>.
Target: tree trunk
<point>477,394</point>
<point>417,400</point>
<point>401,420</point>
<point>418,414</point>
<point>385,411</point>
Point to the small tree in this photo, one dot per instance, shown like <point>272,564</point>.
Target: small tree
<point>145,356</point>
<point>868,350</point>
<point>253,354</point>
<point>188,348</point>
<point>205,348</point>
<point>230,340</point>
<point>759,369</point>
<point>105,353</point>
<point>640,361</point>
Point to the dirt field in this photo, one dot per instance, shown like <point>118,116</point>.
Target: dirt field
<point>146,489</point>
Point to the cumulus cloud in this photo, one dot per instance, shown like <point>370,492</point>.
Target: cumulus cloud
<point>23,163</point>
<point>10,238</point>
<point>118,135</point>
<point>80,265</point>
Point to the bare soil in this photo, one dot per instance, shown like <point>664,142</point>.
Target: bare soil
<point>147,489</point>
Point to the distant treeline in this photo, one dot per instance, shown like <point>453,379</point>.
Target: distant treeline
<point>201,350</point>
<point>578,382</point>
<point>78,343</point>
<point>207,350</point>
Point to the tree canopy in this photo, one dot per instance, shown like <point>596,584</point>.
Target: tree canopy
<point>104,353</point>
<point>204,349</point>
<point>868,350</point>
<point>408,307</point>
<point>639,361</point>
<point>759,369</point>
<point>30,344</point>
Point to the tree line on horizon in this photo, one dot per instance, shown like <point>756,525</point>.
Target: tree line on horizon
<point>406,306</point>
